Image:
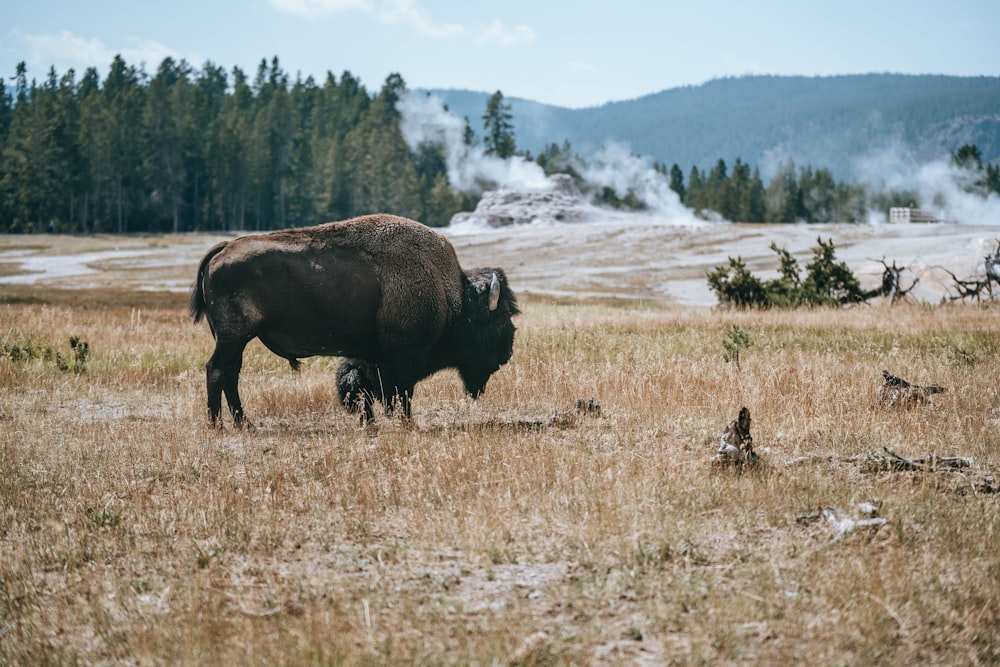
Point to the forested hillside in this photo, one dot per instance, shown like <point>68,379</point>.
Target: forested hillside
<point>185,149</point>
<point>826,122</point>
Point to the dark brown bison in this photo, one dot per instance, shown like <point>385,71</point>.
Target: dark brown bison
<point>385,292</point>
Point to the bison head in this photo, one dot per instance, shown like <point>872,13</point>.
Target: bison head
<point>359,386</point>
<point>486,338</point>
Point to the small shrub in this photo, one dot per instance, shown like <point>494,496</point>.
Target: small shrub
<point>81,353</point>
<point>25,352</point>
<point>735,341</point>
<point>741,289</point>
<point>827,282</point>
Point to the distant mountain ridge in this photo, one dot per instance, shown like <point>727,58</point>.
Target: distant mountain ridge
<point>827,121</point>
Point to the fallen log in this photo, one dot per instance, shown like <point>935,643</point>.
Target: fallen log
<point>886,459</point>
<point>889,460</point>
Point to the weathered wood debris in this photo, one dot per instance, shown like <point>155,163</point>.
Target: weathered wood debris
<point>979,287</point>
<point>895,391</point>
<point>736,444</point>
<point>878,461</point>
<point>891,287</point>
<point>888,460</point>
<point>840,523</point>
<point>964,480</point>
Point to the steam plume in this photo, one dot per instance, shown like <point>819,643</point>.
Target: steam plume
<point>425,121</point>
<point>940,186</point>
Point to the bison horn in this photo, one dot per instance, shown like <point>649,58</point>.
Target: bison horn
<point>494,292</point>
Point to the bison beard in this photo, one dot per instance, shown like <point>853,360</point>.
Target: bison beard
<point>384,292</point>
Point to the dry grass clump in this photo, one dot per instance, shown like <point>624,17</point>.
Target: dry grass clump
<point>512,529</point>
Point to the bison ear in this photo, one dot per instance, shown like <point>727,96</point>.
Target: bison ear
<point>494,292</point>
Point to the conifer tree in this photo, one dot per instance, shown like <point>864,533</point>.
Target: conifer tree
<point>497,121</point>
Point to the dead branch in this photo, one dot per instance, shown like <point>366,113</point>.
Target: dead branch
<point>895,391</point>
<point>977,482</point>
<point>886,459</point>
<point>889,460</point>
<point>973,288</point>
<point>891,287</point>
<point>978,288</point>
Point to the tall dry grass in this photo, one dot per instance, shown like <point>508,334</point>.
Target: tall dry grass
<point>507,529</point>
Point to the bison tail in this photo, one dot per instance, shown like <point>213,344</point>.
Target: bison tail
<point>196,306</point>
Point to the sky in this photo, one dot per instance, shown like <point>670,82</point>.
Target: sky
<point>578,54</point>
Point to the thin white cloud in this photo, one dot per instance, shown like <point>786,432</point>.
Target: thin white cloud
<point>408,14</point>
<point>581,66</point>
<point>65,50</point>
<point>405,13</point>
<point>498,33</point>
<point>317,9</point>
<point>147,51</point>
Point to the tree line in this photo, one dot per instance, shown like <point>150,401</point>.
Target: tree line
<point>806,194</point>
<point>205,149</point>
<point>208,150</point>
<point>794,194</point>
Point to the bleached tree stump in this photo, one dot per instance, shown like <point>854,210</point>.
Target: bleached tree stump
<point>736,444</point>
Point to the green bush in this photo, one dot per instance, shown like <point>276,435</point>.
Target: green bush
<point>827,282</point>
<point>735,341</point>
<point>735,286</point>
<point>25,351</point>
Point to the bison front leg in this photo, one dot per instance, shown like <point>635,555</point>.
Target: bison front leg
<point>222,373</point>
<point>397,385</point>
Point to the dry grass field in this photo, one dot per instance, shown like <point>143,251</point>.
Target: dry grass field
<point>509,530</point>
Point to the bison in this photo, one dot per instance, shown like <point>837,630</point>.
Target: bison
<point>385,292</point>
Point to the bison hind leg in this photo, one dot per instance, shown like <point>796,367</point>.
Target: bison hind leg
<point>223,375</point>
<point>359,386</point>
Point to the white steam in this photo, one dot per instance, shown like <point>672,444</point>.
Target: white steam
<point>425,121</point>
<point>624,172</point>
<point>940,186</point>
<point>945,189</point>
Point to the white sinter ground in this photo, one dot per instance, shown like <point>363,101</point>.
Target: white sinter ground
<point>552,243</point>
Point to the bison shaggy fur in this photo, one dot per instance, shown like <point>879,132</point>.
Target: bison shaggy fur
<point>384,292</point>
